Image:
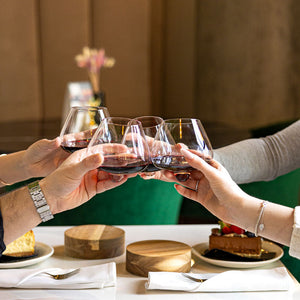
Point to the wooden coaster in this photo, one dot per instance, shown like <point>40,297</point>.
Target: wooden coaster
<point>157,255</point>
<point>94,241</point>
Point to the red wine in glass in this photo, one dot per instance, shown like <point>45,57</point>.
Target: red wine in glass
<point>72,146</point>
<point>122,143</point>
<point>150,126</point>
<point>176,164</point>
<point>80,125</point>
<point>119,165</point>
<point>174,134</point>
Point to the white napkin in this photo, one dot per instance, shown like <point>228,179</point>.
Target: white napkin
<point>276,279</point>
<point>98,276</point>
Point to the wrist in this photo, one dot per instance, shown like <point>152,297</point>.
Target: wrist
<point>40,202</point>
<point>51,200</point>
<point>245,214</point>
<point>26,166</point>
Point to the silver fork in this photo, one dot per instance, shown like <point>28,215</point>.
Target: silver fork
<point>63,275</point>
<point>193,278</point>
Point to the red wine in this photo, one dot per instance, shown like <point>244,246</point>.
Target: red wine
<point>174,163</point>
<point>72,146</point>
<point>121,165</point>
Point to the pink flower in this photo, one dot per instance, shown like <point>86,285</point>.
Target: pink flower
<point>94,59</point>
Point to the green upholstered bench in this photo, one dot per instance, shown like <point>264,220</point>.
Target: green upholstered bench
<point>136,202</point>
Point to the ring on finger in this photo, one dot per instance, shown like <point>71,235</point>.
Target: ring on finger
<point>197,184</point>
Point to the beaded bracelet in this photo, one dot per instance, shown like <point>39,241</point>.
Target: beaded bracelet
<point>260,226</point>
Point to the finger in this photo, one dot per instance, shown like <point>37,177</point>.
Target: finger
<point>107,184</point>
<point>199,164</point>
<point>109,148</point>
<point>186,192</point>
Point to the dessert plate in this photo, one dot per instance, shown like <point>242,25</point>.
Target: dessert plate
<point>199,249</point>
<point>42,252</point>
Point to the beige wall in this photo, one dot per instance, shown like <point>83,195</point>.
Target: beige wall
<point>234,62</point>
<point>39,40</point>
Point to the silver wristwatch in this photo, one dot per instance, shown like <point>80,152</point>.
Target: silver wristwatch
<point>40,201</point>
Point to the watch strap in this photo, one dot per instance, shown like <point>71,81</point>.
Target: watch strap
<point>40,201</point>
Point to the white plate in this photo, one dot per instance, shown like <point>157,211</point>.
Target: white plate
<point>199,249</point>
<point>43,252</point>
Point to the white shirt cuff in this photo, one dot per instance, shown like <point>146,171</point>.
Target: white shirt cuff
<point>295,240</point>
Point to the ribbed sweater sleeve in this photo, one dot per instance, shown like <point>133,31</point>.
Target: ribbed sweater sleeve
<point>262,159</point>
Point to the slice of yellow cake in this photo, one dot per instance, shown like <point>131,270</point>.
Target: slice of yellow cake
<point>22,246</point>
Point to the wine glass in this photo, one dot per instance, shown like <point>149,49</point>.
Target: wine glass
<point>123,145</point>
<point>80,125</point>
<point>150,126</point>
<point>184,132</point>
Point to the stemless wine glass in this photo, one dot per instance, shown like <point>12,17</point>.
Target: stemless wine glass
<point>186,132</point>
<point>123,145</point>
<point>150,126</point>
<point>80,125</point>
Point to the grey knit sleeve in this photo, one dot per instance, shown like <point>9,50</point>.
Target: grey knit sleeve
<point>262,159</point>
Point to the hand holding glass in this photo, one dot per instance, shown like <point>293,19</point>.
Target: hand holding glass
<point>132,155</point>
<point>174,134</point>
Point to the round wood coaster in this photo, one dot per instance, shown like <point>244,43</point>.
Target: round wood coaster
<point>157,255</point>
<point>94,241</point>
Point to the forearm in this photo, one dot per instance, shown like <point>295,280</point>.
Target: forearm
<point>246,161</point>
<point>264,158</point>
<point>18,213</point>
<point>13,168</point>
<point>278,220</point>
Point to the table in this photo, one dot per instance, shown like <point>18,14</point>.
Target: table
<point>130,286</point>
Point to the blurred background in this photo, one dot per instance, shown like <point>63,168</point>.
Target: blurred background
<point>234,64</point>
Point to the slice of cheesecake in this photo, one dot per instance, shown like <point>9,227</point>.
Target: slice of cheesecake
<point>22,246</point>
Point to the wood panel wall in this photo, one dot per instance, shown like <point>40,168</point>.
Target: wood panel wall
<point>234,62</point>
<point>39,40</point>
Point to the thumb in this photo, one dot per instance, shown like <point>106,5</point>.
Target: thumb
<point>87,164</point>
<point>48,145</point>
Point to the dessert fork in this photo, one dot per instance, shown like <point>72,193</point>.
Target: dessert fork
<point>193,278</point>
<point>63,275</point>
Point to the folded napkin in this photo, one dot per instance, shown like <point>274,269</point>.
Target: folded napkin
<point>98,276</point>
<point>275,279</point>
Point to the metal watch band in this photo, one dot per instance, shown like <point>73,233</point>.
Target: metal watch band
<point>40,201</point>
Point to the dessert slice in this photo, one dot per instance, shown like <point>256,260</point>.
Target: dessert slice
<point>235,240</point>
<point>22,246</point>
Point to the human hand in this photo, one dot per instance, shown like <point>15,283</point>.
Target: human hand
<point>43,157</point>
<point>76,181</point>
<point>213,187</point>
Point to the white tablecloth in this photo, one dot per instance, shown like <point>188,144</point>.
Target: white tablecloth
<point>130,286</point>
